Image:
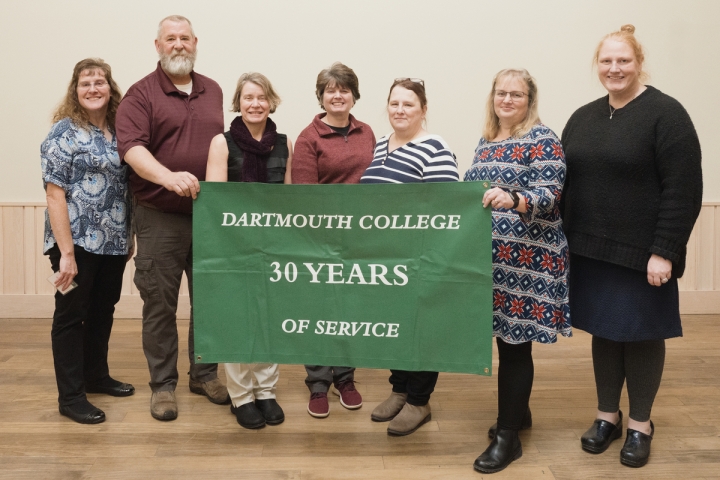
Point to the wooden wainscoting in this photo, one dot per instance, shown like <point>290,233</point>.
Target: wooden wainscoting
<point>24,289</point>
<point>700,286</point>
<point>26,293</point>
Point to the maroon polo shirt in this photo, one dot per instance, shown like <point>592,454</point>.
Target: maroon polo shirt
<point>175,127</point>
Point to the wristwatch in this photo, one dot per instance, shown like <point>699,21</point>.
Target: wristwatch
<point>515,198</point>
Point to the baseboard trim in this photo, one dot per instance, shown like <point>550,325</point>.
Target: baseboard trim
<point>42,306</point>
<point>130,306</point>
<point>700,302</point>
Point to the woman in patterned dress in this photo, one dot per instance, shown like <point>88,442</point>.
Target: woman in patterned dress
<point>526,165</point>
<point>87,232</point>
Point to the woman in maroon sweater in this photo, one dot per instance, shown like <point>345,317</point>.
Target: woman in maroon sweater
<point>334,148</point>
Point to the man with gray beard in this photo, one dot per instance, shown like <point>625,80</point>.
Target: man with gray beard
<point>164,127</point>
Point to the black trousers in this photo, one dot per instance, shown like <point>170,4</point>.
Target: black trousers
<point>418,385</point>
<point>82,322</point>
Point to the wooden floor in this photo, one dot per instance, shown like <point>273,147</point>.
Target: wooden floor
<point>206,442</point>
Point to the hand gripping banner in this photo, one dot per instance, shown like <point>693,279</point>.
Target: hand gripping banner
<point>376,276</point>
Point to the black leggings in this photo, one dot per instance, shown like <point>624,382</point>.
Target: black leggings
<point>640,363</point>
<point>515,379</point>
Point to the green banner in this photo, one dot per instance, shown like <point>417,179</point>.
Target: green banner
<point>376,276</point>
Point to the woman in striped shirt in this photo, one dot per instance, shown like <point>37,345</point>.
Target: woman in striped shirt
<point>409,154</point>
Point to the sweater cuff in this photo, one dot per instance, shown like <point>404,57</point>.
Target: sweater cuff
<point>529,215</point>
<point>667,249</point>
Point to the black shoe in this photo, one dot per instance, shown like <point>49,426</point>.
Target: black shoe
<point>83,412</point>
<point>526,423</point>
<point>271,411</point>
<point>602,433</point>
<point>111,387</point>
<point>248,416</point>
<point>636,451</point>
<point>502,451</point>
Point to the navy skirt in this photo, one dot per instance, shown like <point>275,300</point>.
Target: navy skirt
<point>617,303</point>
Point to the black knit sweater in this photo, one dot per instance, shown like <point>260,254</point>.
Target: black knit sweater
<point>634,181</point>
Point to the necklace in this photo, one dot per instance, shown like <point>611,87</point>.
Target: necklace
<point>638,92</point>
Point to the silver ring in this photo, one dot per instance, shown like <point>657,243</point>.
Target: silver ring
<point>664,280</point>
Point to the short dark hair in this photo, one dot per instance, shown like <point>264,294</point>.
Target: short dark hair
<point>340,75</point>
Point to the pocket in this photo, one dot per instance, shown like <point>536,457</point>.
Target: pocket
<point>275,175</point>
<point>276,169</point>
<point>145,278</point>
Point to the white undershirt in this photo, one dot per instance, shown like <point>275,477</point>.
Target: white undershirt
<point>187,88</point>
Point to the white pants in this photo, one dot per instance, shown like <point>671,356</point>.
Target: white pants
<point>247,382</point>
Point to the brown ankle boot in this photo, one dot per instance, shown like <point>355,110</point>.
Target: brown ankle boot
<point>409,419</point>
<point>388,409</point>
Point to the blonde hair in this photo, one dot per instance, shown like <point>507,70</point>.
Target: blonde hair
<point>261,81</point>
<point>532,118</point>
<point>70,106</point>
<point>626,34</point>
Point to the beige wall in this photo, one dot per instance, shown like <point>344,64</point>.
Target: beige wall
<point>455,45</point>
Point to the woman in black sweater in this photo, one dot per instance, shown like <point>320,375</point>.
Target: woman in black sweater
<point>632,195</point>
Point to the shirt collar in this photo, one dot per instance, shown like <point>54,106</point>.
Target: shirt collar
<point>168,87</point>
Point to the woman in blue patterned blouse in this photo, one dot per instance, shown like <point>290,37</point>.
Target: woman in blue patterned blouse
<point>87,230</point>
<point>525,162</point>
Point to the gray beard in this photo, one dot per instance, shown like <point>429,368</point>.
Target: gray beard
<point>178,65</point>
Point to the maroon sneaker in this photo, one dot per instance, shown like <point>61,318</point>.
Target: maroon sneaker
<point>349,397</point>
<point>318,406</point>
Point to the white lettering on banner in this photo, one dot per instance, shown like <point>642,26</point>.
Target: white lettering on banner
<point>344,329</point>
<point>298,327</point>
<point>226,216</point>
<point>362,222</point>
<point>333,273</point>
<point>366,222</point>
<point>357,273</point>
<point>280,222</point>
<point>290,272</point>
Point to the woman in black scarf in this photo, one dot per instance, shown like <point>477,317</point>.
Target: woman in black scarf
<point>252,151</point>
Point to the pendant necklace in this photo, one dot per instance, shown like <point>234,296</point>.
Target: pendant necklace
<point>613,110</point>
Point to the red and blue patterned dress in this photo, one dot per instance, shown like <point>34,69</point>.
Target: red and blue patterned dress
<point>530,252</point>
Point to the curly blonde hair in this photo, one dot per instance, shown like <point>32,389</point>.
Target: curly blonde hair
<point>70,105</point>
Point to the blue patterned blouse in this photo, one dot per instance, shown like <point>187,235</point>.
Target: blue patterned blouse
<point>530,252</point>
<point>87,166</point>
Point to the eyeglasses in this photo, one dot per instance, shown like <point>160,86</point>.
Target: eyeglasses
<point>98,84</point>
<point>514,96</point>
<point>414,80</point>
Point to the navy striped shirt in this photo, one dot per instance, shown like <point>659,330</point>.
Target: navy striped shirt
<point>425,159</point>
